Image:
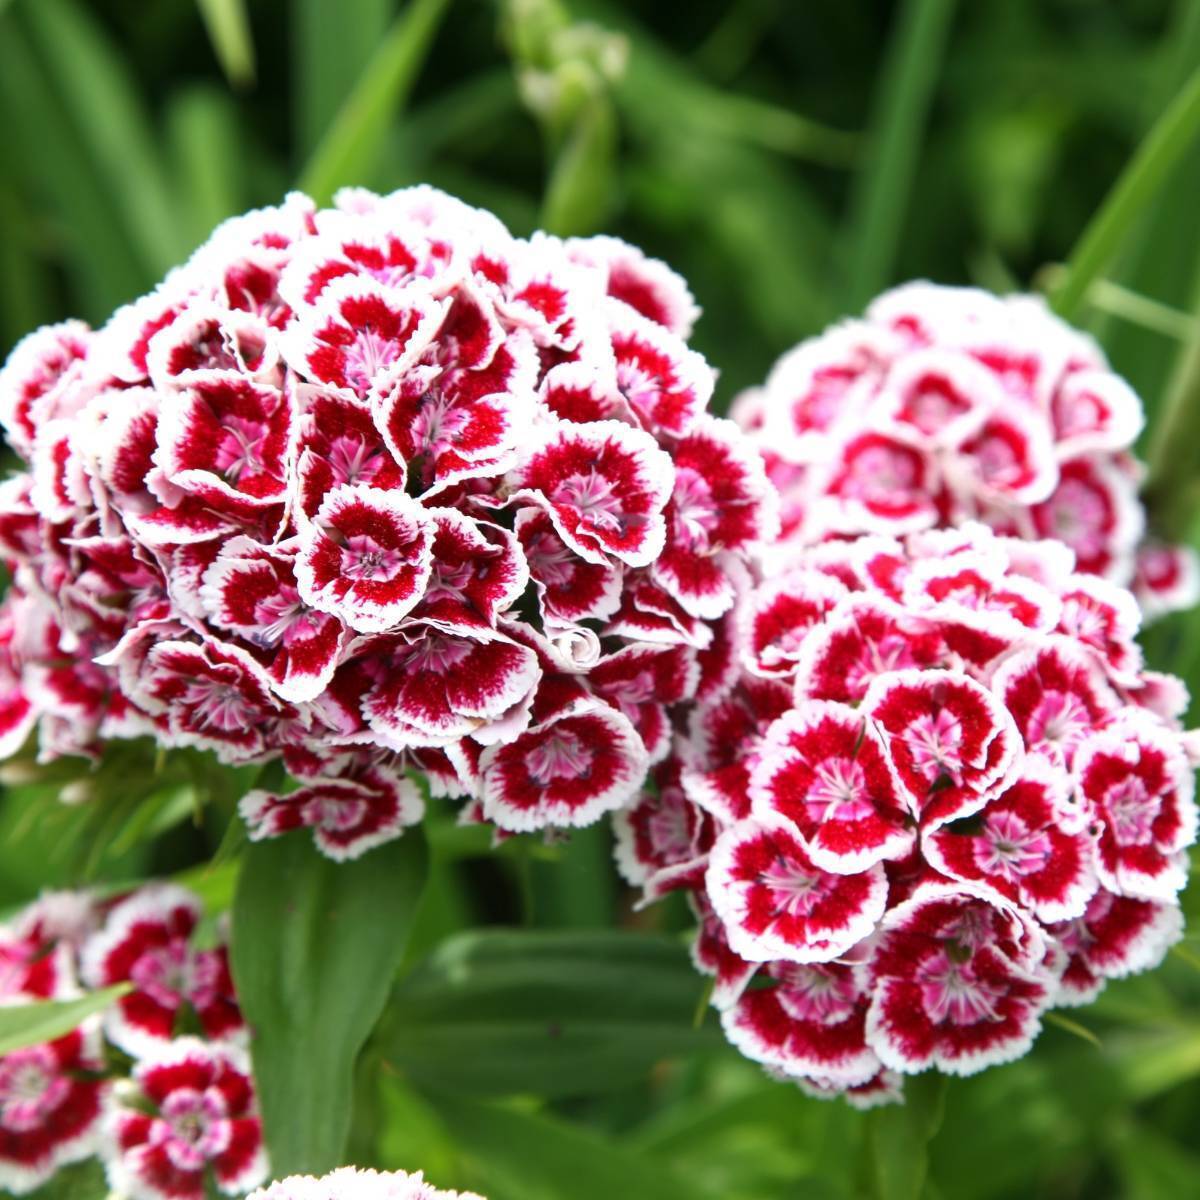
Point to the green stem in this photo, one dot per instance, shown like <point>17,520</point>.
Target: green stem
<point>1158,153</point>
<point>879,203</point>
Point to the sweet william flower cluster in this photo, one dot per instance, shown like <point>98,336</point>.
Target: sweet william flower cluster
<point>934,793</point>
<point>171,1114</point>
<point>944,405</point>
<point>373,489</point>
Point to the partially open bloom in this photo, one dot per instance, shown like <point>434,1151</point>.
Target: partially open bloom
<point>354,487</point>
<point>349,1183</point>
<point>191,1118</point>
<point>941,796</point>
<point>944,405</point>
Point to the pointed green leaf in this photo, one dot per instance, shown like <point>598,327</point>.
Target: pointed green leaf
<point>352,142</point>
<point>526,1157</point>
<point>315,946</point>
<point>899,1135</point>
<point>229,31</point>
<point>503,1012</point>
<point>45,1020</point>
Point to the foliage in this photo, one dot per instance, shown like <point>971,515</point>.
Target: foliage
<point>788,160</point>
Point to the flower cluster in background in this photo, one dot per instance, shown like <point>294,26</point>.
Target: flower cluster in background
<point>376,489</point>
<point>937,794</point>
<point>347,1183</point>
<point>159,1087</point>
<point>946,405</point>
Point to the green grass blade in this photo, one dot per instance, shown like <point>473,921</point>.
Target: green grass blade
<point>332,43</point>
<point>43,1021</point>
<point>97,90</point>
<point>1137,186</point>
<point>84,230</point>
<point>879,201</point>
<point>229,31</point>
<point>352,142</point>
<point>211,184</point>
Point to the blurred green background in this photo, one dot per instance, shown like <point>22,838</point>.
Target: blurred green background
<point>790,159</point>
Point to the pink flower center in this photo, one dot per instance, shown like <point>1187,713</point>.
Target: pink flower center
<point>449,581</point>
<point>550,561</point>
<point>797,891</point>
<point>1078,516</point>
<point>951,991</point>
<point>810,994</point>
<point>30,1088</point>
<point>438,423</point>
<point>164,973</point>
<point>283,617</point>
<point>352,460</point>
<point>838,792</point>
<point>363,558</point>
<point>888,653</point>
<point>366,356</point>
<point>561,754</point>
<point>696,517</point>
<point>1131,812</point>
<point>437,654</point>
<point>593,497</point>
<point>193,1128</point>
<point>1010,848</point>
<point>630,694</point>
<point>240,451</point>
<point>878,474</point>
<point>935,741</point>
<point>669,830</point>
<point>217,704</point>
<point>1060,719</point>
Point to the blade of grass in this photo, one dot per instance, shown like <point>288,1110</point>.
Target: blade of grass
<point>93,244</point>
<point>879,200</point>
<point>198,120</point>
<point>331,45</point>
<point>352,142</point>
<point>229,31</point>
<point>1138,184</point>
<point>96,87</point>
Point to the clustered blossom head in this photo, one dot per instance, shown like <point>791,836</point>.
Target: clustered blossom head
<point>165,1111</point>
<point>944,405</point>
<point>349,1183</point>
<point>940,795</point>
<point>376,489</point>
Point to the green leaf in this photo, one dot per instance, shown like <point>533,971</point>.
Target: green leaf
<point>315,946</point>
<point>96,89</point>
<point>1172,134</point>
<point>521,1156</point>
<point>211,184</point>
<point>229,31</point>
<point>899,1135</point>
<point>27,1024</point>
<point>350,145</point>
<point>331,45</point>
<point>499,1012</point>
<point>879,204</point>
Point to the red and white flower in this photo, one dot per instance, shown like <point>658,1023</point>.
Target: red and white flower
<point>366,556</point>
<point>147,941</point>
<point>777,903</point>
<point>947,405</point>
<point>192,1124</point>
<point>348,816</point>
<point>1139,787</point>
<point>52,1100</point>
<point>957,984</point>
